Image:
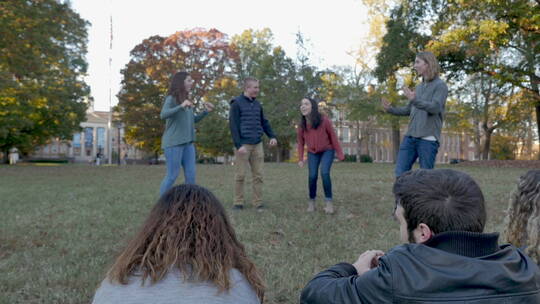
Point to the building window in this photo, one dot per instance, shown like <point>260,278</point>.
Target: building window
<point>88,140</point>
<point>346,135</point>
<point>77,144</point>
<point>100,139</point>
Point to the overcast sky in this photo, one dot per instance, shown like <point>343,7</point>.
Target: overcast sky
<point>334,28</point>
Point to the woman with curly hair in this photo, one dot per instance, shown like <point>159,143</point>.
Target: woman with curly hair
<point>185,252</point>
<point>522,221</point>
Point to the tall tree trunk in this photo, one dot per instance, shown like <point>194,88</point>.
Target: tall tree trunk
<point>358,142</point>
<point>486,93</point>
<point>477,140</point>
<point>537,107</point>
<point>535,83</point>
<point>487,144</point>
<point>5,158</point>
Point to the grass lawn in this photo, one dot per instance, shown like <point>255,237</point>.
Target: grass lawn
<point>61,226</point>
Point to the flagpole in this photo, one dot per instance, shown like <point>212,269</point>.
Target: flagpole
<point>109,124</point>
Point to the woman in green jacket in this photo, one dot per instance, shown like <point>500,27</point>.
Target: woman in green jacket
<point>179,135</point>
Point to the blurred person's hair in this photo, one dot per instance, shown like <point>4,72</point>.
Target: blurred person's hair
<point>433,65</point>
<point>522,222</point>
<point>444,199</point>
<point>188,229</point>
<point>177,88</point>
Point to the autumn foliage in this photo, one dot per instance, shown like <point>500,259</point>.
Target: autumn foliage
<point>205,54</point>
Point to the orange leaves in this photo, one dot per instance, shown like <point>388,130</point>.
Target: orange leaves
<point>204,54</point>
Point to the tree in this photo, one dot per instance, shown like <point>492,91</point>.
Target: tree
<point>281,88</point>
<point>361,106</point>
<point>398,47</point>
<point>41,66</point>
<point>499,39</point>
<point>205,54</point>
<point>213,133</point>
<point>468,32</point>
<point>503,147</point>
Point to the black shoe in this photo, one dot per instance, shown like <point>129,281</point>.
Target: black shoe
<point>261,208</point>
<point>237,207</point>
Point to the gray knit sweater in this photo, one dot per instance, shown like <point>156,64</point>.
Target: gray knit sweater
<point>426,111</point>
<point>173,289</point>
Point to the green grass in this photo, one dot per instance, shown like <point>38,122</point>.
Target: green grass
<point>61,226</point>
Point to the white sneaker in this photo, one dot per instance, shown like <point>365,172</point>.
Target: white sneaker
<point>329,208</point>
<point>311,206</point>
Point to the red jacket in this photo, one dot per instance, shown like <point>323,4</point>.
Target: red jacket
<point>318,140</point>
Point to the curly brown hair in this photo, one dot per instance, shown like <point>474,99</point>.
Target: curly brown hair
<point>188,229</point>
<point>522,220</point>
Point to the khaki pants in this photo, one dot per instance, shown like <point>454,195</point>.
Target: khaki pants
<point>254,158</point>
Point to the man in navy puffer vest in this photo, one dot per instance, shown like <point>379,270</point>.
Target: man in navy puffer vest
<point>247,123</point>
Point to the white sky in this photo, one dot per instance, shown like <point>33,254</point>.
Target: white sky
<point>333,29</point>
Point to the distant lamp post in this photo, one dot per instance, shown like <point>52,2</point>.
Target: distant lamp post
<point>117,126</point>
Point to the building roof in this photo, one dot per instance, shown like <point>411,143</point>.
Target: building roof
<point>97,117</point>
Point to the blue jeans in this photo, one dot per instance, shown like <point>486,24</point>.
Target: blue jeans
<point>176,157</point>
<point>325,159</point>
<point>412,148</point>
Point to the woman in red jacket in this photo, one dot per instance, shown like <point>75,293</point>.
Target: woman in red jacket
<point>317,133</point>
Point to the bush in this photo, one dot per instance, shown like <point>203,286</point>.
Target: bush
<point>350,158</point>
<point>207,160</point>
<point>503,147</point>
<point>364,158</point>
<point>49,160</point>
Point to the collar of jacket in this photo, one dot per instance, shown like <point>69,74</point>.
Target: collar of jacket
<point>247,98</point>
<point>470,244</point>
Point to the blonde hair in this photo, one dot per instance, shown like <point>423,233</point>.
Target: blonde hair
<point>249,80</point>
<point>433,65</point>
<point>522,222</point>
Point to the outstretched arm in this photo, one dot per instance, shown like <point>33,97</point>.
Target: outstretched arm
<point>400,111</point>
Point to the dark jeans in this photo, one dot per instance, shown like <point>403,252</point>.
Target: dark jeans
<point>412,148</point>
<point>325,159</point>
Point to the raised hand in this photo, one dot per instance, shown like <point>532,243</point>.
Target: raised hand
<point>409,93</point>
<point>385,104</point>
<point>187,104</point>
<point>367,260</point>
<point>209,106</point>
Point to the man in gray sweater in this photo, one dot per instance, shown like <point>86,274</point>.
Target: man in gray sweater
<point>426,112</point>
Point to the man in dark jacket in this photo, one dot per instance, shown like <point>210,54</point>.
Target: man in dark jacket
<point>247,123</point>
<point>447,260</point>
